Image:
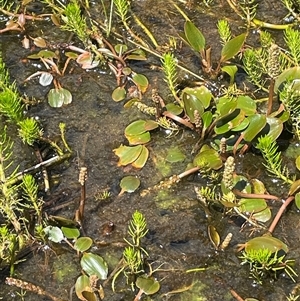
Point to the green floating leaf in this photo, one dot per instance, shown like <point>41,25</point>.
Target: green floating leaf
<point>148,285</point>
<point>194,36</point>
<point>70,233</point>
<point>94,264</point>
<point>118,94</point>
<point>246,104</point>
<point>175,155</point>
<point>120,49</point>
<point>59,97</point>
<point>213,236</point>
<point>82,244</point>
<point>127,154</point>
<point>139,139</point>
<point>256,123</point>
<point>137,55</point>
<point>130,184</point>
<point>297,200</point>
<point>135,128</point>
<point>207,118</point>
<point>226,106</point>
<point>174,109</point>
<point>142,159</point>
<point>54,234</point>
<point>256,208</point>
<point>295,187</point>
<point>151,125</point>
<point>141,81</point>
<point>82,285</point>
<point>229,122</point>
<point>266,242</point>
<point>191,103</point>
<point>208,158</point>
<point>45,79</point>
<point>231,71</point>
<point>232,47</point>
<point>287,75</point>
<point>298,162</point>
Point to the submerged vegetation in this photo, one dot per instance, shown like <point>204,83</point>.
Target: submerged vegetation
<point>226,118</point>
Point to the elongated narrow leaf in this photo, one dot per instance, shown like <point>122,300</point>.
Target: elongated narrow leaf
<point>94,264</point>
<point>194,36</point>
<point>232,47</point>
<point>256,123</point>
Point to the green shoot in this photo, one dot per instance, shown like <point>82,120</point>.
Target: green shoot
<point>75,22</point>
<point>224,31</point>
<point>29,130</point>
<point>291,37</point>
<point>122,7</point>
<point>169,65</point>
<point>272,156</point>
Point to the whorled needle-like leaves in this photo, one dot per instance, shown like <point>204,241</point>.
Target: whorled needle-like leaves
<point>272,156</point>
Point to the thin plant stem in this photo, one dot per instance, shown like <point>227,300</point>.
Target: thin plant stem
<point>280,212</point>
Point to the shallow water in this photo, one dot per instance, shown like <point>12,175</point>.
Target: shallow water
<point>177,224</point>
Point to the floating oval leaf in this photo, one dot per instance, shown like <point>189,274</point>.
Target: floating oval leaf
<point>135,128</point>
<point>297,200</point>
<point>232,47</point>
<point>141,81</point>
<point>174,109</point>
<point>127,154</point>
<point>45,79</point>
<point>194,36</point>
<point>82,285</point>
<point>118,94</point>
<point>175,155</point>
<point>121,48</point>
<point>191,103</point>
<point>142,159</point>
<point>130,184</point>
<point>148,285</point>
<point>139,139</point>
<point>70,233</point>
<point>266,242</point>
<point>229,122</point>
<point>298,162</point>
<point>250,206</point>
<point>39,42</point>
<point>150,125</point>
<point>246,104</point>
<point>208,158</point>
<point>59,97</point>
<point>54,234</point>
<point>82,244</point>
<point>295,187</point>
<point>287,75</point>
<point>94,264</point>
<point>256,123</point>
<point>213,236</point>
<point>231,71</point>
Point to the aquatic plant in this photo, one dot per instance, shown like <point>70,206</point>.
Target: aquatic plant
<point>266,258</point>
<point>132,263</point>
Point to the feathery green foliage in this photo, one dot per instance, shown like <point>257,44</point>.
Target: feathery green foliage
<point>122,7</point>
<point>290,97</point>
<point>224,31</point>
<point>29,130</point>
<point>30,188</point>
<point>292,37</point>
<point>169,65</point>
<point>10,101</point>
<point>272,156</point>
<point>74,21</point>
<point>264,263</point>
